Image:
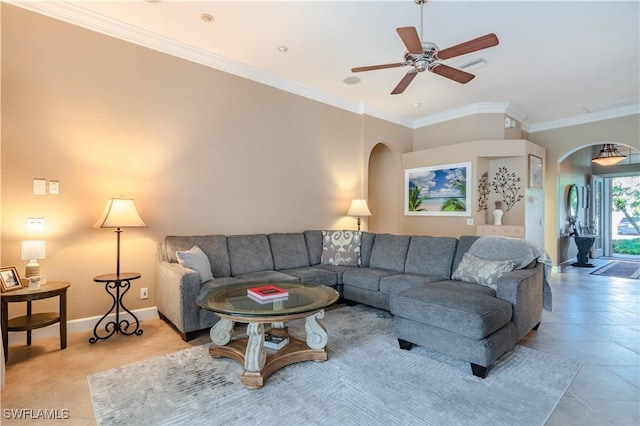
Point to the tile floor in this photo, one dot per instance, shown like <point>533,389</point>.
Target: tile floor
<point>595,321</point>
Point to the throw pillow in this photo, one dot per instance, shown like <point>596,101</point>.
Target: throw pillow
<point>197,260</point>
<point>341,248</point>
<point>473,269</point>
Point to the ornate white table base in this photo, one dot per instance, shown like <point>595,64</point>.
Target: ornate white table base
<point>258,362</point>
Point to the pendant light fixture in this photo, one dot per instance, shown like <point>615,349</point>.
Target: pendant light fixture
<point>609,155</point>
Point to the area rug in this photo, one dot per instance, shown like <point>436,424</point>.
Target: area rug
<point>617,268</point>
<point>367,380</point>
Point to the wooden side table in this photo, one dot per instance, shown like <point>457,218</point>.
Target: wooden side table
<point>117,286</point>
<point>32,321</point>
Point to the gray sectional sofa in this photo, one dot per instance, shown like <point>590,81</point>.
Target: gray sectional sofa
<point>410,276</point>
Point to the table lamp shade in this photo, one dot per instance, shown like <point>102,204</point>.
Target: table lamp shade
<point>120,213</point>
<point>33,250</point>
<point>358,208</point>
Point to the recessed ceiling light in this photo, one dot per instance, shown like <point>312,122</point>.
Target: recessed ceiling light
<point>417,104</point>
<point>205,17</point>
<point>283,49</point>
<point>351,80</point>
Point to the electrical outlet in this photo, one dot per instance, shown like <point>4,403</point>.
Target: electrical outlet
<point>144,293</point>
<point>35,224</point>
<point>470,221</point>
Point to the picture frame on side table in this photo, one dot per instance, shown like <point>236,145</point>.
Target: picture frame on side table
<point>535,171</point>
<point>443,190</point>
<point>10,279</point>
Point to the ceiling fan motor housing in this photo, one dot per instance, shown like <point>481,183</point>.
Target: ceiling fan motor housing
<point>421,62</point>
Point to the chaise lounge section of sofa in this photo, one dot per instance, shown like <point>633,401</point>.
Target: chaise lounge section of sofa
<point>413,277</point>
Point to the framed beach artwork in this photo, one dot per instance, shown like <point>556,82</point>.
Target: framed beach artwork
<point>438,190</point>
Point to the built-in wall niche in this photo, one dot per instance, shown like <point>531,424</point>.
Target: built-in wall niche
<point>487,158</point>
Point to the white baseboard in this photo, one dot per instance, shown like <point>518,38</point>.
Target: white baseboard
<point>79,325</point>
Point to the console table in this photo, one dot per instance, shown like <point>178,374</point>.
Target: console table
<point>116,286</point>
<point>32,321</point>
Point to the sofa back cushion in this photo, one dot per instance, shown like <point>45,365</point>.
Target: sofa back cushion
<point>288,251</point>
<point>313,239</point>
<point>464,243</point>
<point>431,256</point>
<point>214,246</point>
<point>389,252</point>
<point>249,253</point>
<point>366,245</point>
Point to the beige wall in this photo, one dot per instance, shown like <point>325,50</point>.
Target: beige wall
<point>473,127</point>
<point>200,151</point>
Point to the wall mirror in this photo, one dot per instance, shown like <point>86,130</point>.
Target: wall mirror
<point>572,201</point>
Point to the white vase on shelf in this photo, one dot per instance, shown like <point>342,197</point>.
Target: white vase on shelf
<point>497,214</point>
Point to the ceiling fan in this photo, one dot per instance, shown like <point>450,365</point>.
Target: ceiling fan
<point>427,56</point>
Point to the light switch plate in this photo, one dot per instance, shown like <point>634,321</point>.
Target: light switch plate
<point>39,186</point>
<point>54,187</point>
<point>470,221</point>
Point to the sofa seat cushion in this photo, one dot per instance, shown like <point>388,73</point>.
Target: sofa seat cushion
<point>268,277</point>
<point>338,270</point>
<point>366,278</point>
<point>311,275</point>
<point>457,308</point>
<point>288,250</point>
<point>400,282</point>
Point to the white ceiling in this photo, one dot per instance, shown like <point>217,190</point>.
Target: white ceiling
<point>555,60</point>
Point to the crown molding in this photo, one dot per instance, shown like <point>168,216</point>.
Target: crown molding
<point>585,118</point>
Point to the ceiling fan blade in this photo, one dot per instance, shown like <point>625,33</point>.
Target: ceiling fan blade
<point>411,40</point>
<point>469,46</point>
<point>404,83</point>
<point>377,67</point>
<point>451,73</point>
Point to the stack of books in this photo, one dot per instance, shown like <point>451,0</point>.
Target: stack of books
<point>272,341</point>
<point>267,293</point>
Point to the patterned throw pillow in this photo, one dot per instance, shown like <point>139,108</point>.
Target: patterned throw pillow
<point>473,269</point>
<point>341,248</point>
<point>197,260</point>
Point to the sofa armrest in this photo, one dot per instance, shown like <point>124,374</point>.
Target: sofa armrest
<point>523,289</point>
<point>177,289</point>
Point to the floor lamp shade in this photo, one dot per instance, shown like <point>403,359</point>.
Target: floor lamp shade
<point>359,209</point>
<point>120,213</point>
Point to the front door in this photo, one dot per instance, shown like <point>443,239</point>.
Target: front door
<point>597,209</point>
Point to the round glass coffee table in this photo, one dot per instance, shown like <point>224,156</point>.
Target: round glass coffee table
<point>232,304</point>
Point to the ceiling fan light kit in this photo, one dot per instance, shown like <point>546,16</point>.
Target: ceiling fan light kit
<point>426,56</point>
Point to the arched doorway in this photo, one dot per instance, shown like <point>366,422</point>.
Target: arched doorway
<point>383,190</point>
<point>595,211</point>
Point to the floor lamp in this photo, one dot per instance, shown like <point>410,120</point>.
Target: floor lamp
<point>120,213</point>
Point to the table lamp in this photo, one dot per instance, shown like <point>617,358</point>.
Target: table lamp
<point>358,208</point>
<point>33,250</point>
<point>120,213</point>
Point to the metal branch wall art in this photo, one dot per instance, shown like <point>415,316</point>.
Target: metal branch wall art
<point>483,192</point>
<point>507,186</point>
